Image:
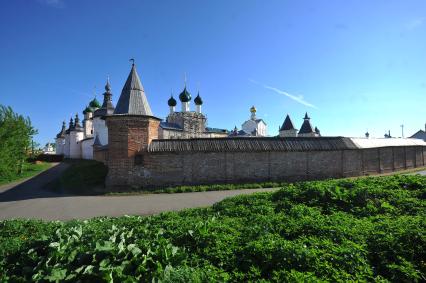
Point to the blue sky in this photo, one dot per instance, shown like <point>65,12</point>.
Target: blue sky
<point>352,65</point>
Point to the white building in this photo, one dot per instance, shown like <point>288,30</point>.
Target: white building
<point>254,126</point>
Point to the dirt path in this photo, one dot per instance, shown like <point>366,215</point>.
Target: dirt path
<point>29,200</point>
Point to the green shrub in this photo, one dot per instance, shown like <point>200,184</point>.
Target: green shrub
<point>369,229</point>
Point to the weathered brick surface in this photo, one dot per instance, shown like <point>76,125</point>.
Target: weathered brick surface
<point>410,156</point>
<point>352,163</point>
<point>399,158</point>
<point>370,160</point>
<point>129,137</point>
<point>386,159</point>
<point>325,164</point>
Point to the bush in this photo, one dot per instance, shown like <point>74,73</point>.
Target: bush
<point>371,229</point>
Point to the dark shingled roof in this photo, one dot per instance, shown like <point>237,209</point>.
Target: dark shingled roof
<point>306,127</point>
<point>235,144</point>
<point>287,125</point>
<point>170,126</point>
<point>132,99</point>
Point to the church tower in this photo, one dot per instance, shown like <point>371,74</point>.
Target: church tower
<point>76,135</point>
<point>60,140</point>
<point>130,130</point>
<point>287,129</point>
<point>306,130</point>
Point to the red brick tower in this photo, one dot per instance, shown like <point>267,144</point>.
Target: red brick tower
<point>130,130</point>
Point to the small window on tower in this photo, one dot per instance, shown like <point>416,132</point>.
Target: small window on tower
<point>91,131</point>
<point>139,159</point>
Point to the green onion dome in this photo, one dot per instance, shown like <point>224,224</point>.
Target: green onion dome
<point>87,110</point>
<point>171,101</point>
<point>198,100</point>
<point>184,96</point>
<point>94,103</point>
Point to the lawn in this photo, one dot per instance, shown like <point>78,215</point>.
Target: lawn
<point>366,229</point>
<point>29,170</point>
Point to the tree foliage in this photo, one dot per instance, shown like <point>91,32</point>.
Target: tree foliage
<point>16,133</point>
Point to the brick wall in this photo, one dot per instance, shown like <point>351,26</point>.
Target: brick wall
<point>128,135</point>
<point>179,168</point>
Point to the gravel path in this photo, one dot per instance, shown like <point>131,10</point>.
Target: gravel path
<point>30,200</point>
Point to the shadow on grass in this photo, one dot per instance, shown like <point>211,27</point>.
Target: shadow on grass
<point>69,178</point>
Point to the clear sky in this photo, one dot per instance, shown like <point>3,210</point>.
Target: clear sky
<point>352,65</point>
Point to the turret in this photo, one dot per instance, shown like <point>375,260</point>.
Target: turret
<point>253,112</point>
<point>198,102</point>
<point>287,129</point>
<point>172,104</point>
<point>60,140</point>
<point>130,130</point>
<point>185,98</point>
<point>306,129</point>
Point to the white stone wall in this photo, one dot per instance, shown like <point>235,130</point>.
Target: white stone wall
<point>67,146</point>
<point>87,148</point>
<point>100,129</point>
<point>88,128</point>
<point>60,145</point>
<point>308,135</point>
<point>250,126</point>
<point>288,133</point>
<point>169,134</point>
<point>75,145</point>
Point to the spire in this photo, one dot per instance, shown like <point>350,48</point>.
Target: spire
<point>198,100</point>
<point>132,99</point>
<point>107,107</point>
<point>171,102</point>
<point>108,86</point>
<point>306,116</point>
<point>287,125</point>
<point>306,127</point>
<point>61,134</point>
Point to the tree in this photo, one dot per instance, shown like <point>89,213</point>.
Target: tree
<point>16,134</point>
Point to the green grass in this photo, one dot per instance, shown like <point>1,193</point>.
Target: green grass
<point>81,177</point>
<point>358,230</point>
<point>29,170</point>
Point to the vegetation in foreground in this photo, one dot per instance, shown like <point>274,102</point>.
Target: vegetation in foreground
<point>368,229</point>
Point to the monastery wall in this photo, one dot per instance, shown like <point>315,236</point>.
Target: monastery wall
<point>188,168</point>
<point>87,148</point>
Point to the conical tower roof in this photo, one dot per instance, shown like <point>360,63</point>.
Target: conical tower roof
<point>306,126</point>
<point>287,125</point>
<point>132,99</point>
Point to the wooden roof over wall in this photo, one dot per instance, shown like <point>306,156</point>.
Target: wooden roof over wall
<point>235,144</point>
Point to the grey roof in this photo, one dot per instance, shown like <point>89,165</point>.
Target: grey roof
<point>287,125</point>
<point>235,144</point>
<point>61,134</point>
<point>306,127</point>
<point>216,130</point>
<point>170,126</point>
<point>260,120</point>
<point>132,99</point>
<point>419,135</point>
<point>107,107</point>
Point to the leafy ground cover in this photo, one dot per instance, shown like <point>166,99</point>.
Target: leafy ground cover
<point>28,170</point>
<point>367,229</point>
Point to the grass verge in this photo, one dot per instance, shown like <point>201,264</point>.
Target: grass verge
<point>81,177</point>
<point>29,170</point>
<point>360,230</point>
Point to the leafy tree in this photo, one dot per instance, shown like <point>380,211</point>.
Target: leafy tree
<point>16,134</point>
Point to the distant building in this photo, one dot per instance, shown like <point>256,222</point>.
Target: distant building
<point>49,149</point>
<point>306,130</point>
<point>254,127</point>
<point>421,134</point>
